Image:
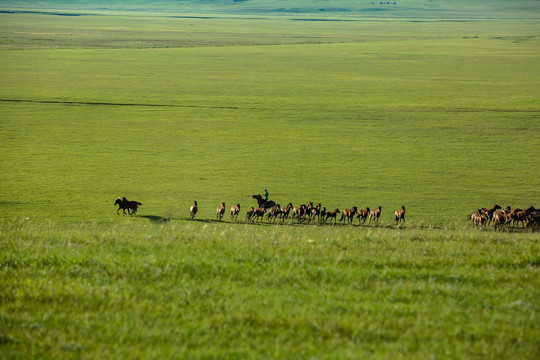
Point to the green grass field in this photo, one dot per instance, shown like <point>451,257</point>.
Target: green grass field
<point>198,290</point>
<point>432,106</point>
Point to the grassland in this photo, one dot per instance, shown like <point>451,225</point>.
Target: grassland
<point>441,116</point>
<point>305,9</point>
<point>196,290</point>
<point>423,121</point>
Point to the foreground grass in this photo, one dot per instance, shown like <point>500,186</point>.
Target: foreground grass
<point>207,290</point>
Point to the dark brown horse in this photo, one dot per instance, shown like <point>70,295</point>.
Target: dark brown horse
<point>125,204</point>
<point>261,202</point>
<point>332,215</point>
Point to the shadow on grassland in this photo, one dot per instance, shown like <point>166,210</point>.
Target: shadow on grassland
<point>156,219</point>
<point>402,227</point>
<point>45,13</point>
<point>289,223</point>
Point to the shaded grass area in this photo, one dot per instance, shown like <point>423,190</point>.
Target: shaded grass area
<point>206,290</point>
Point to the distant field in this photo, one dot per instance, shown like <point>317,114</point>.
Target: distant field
<point>438,115</point>
<point>305,9</point>
<point>426,120</point>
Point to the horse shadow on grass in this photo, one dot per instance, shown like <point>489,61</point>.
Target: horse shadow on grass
<point>156,219</point>
<point>238,222</point>
<point>164,220</point>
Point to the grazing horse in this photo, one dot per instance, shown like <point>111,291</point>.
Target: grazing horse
<point>125,204</point>
<point>261,202</point>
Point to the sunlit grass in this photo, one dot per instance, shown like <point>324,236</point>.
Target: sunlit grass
<point>441,117</point>
<point>424,124</point>
<point>204,289</point>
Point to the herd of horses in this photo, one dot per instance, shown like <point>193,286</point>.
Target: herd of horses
<point>501,219</point>
<point>496,217</point>
<point>307,213</point>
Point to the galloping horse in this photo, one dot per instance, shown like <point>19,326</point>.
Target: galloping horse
<point>260,200</point>
<point>125,204</point>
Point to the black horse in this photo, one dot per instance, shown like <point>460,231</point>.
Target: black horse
<point>125,204</point>
<point>261,201</point>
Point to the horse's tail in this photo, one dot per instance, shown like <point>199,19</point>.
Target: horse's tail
<point>138,203</point>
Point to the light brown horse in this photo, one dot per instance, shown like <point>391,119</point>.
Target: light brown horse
<point>363,215</point>
<point>298,212</point>
<point>250,213</point>
<point>348,214</point>
<point>479,218</point>
<point>285,211</point>
<point>399,215</point>
<point>235,210</point>
<point>375,214</point>
<point>220,211</point>
<point>274,212</point>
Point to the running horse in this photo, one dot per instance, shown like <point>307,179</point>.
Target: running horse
<point>260,201</point>
<point>125,204</point>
